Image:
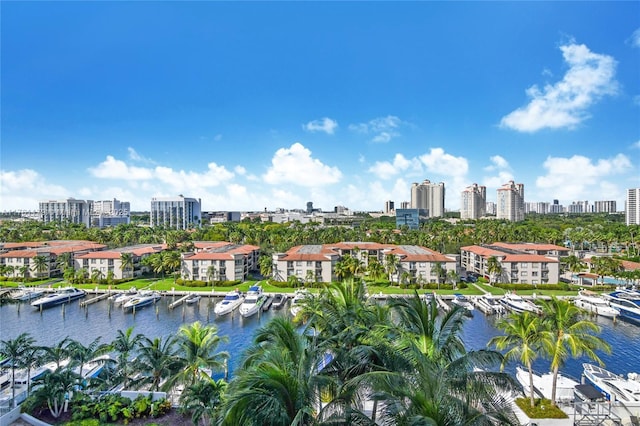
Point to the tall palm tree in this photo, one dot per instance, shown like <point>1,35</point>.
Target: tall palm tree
<point>568,334</point>
<point>494,269</point>
<point>53,388</point>
<point>24,271</point>
<point>31,358</point>
<point>198,350</point>
<point>14,350</point>
<point>523,341</point>
<point>126,263</point>
<point>41,264</point>
<point>392,263</point>
<point>80,354</point>
<point>172,260</point>
<point>64,261</point>
<point>125,344</point>
<point>439,271</point>
<point>157,360</point>
<point>96,275</point>
<point>266,265</point>
<point>58,353</point>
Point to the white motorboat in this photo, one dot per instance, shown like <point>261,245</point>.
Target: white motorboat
<point>24,294</point>
<point>279,300</point>
<point>592,302</point>
<point>542,384</point>
<point>192,299</point>
<point>121,298</point>
<point>253,302</point>
<point>298,297</point>
<point>142,299</point>
<point>62,295</point>
<point>628,309</point>
<point>615,387</point>
<point>462,301</point>
<point>490,305</point>
<point>517,304</point>
<point>231,301</point>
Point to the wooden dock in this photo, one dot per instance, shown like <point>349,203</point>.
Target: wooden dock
<point>94,300</point>
<point>179,301</point>
<point>442,303</point>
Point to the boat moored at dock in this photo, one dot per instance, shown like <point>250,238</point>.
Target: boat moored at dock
<point>231,301</point>
<point>253,301</point>
<point>615,387</point>
<point>62,295</point>
<point>517,304</point>
<point>593,303</point>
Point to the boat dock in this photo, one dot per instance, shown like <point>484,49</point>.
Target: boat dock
<point>442,303</point>
<point>94,300</point>
<point>179,301</point>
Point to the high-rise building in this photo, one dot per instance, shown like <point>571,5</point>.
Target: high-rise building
<point>632,207</point>
<point>428,198</point>
<point>510,202</point>
<point>604,207</point>
<point>491,208</point>
<point>405,205</point>
<point>105,213</point>
<point>69,210</point>
<point>389,207</point>
<point>540,207</point>
<point>175,212</point>
<point>409,218</point>
<point>474,202</point>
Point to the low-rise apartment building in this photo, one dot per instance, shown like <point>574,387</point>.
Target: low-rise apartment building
<point>517,266</point>
<point>124,262</point>
<point>219,261</point>
<point>318,262</point>
<point>41,259</point>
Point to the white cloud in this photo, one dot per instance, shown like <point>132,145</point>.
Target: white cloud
<point>295,165</point>
<point>634,40</point>
<point>22,189</point>
<point>386,170</point>
<point>135,156</point>
<point>497,162</point>
<point>438,161</point>
<point>118,169</point>
<point>325,124</point>
<point>240,170</point>
<point>383,129</point>
<point>574,178</point>
<point>564,104</point>
<point>636,145</point>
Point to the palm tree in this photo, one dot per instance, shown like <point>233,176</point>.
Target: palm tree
<point>63,261</point>
<point>24,271</point>
<point>568,334</point>
<point>211,272</point>
<point>125,343</point>
<point>126,263</point>
<point>392,263</point>
<point>81,354</point>
<point>96,275</point>
<point>58,353</point>
<point>439,271</point>
<point>14,350</point>
<point>53,388</point>
<point>375,269</point>
<point>523,341</point>
<point>157,359</point>
<point>198,345</point>
<point>452,276</point>
<point>277,382</point>
<point>266,265</point>
<point>203,400</point>
<point>494,269</point>
<point>31,359</point>
<point>41,264</point>
<point>171,261</point>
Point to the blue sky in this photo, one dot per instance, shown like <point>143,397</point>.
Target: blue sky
<point>273,104</point>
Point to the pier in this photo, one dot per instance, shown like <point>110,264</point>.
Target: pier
<point>94,300</point>
<point>179,301</point>
<point>442,303</point>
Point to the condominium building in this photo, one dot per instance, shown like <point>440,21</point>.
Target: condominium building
<point>316,263</point>
<point>474,202</point>
<point>539,207</point>
<point>519,264</point>
<point>604,206</point>
<point>219,261</point>
<point>175,212</point>
<point>428,198</point>
<point>69,210</point>
<point>106,213</point>
<point>632,207</point>
<point>389,207</point>
<point>510,202</point>
<point>113,264</point>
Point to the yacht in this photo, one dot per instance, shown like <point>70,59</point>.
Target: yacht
<point>542,384</point>
<point>140,300</point>
<point>462,301</point>
<point>62,295</point>
<point>192,299</point>
<point>298,297</point>
<point>231,301</point>
<point>615,387</point>
<point>592,302</point>
<point>628,309</point>
<point>517,304</point>
<point>632,295</point>
<point>121,298</point>
<point>24,294</point>
<point>253,302</point>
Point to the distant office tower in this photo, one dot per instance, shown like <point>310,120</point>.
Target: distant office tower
<point>389,207</point>
<point>309,206</point>
<point>405,205</point>
<point>105,213</point>
<point>69,210</point>
<point>510,202</point>
<point>491,208</point>
<point>175,212</point>
<point>539,207</point>
<point>556,207</point>
<point>428,198</point>
<point>632,207</point>
<point>576,207</point>
<point>474,202</point>
<point>604,207</point>
<point>407,217</point>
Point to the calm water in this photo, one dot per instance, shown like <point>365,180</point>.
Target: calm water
<point>84,325</point>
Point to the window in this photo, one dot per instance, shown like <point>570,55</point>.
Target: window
<point>524,265</point>
<point>93,261</point>
<point>423,265</point>
<point>309,264</point>
<point>298,263</point>
<point>523,274</point>
<point>534,273</point>
<point>534,282</point>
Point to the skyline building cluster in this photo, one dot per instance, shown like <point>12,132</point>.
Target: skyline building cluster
<point>101,214</point>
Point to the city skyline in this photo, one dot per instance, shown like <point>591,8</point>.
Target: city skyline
<point>264,105</point>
